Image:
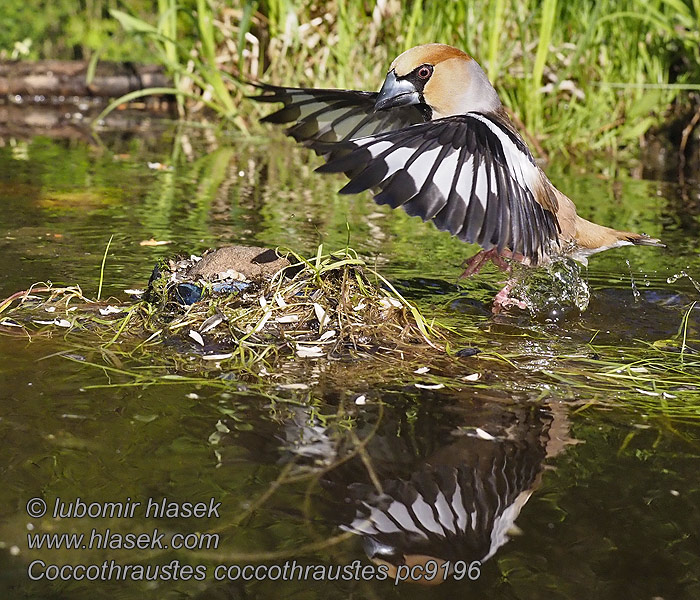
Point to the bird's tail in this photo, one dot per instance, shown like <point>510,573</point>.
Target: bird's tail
<point>594,237</point>
<point>641,239</point>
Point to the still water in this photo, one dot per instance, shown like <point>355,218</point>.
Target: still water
<point>537,475</point>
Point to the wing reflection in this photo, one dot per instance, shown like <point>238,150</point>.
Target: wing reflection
<point>447,486</point>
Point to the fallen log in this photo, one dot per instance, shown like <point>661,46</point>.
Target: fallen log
<point>40,80</point>
<point>61,121</point>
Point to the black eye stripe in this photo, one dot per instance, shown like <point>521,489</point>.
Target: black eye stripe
<point>419,76</point>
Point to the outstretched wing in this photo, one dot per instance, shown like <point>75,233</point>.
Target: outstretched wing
<point>470,174</point>
<point>327,116</point>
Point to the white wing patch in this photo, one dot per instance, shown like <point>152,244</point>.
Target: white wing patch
<point>446,171</point>
<point>376,148</point>
<point>481,185</point>
<point>360,525</point>
<point>307,109</point>
<point>458,507</point>
<point>420,169</point>
<point>466,178</point>
<point>342,127</point>
<point>442,167</point>
<point>400,513</point>
<point>525,173</point>
<point>444,512</point>
<point>494,184</point>
<point>382,522</point>
<point>368,129</point>
<point>397,159</point>
<point>425,516</point>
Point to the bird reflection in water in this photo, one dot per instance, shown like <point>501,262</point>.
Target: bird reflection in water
<point>440,491</point>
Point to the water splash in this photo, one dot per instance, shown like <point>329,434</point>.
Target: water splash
<point>677,276</point>
<point>635,292</point>
<point>553,292</point>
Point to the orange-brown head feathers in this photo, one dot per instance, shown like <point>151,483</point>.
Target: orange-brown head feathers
<point>432,54</point>
<point>445,79</point>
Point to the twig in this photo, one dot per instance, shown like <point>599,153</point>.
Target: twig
<point>685,136</point>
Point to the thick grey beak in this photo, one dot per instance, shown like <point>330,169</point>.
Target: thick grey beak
<point>396,92</point>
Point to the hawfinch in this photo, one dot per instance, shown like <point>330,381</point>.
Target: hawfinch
<point>436,141</point>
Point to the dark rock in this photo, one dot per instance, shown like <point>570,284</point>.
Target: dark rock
<point>466,352</point>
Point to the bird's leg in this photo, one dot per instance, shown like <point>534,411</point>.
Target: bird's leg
<point>475,263</point>
<point>503,301</point>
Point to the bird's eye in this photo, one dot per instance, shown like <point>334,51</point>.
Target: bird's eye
<point>425,72</point>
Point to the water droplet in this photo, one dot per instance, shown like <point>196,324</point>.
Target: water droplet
<point>677,276</point>
<point>635,291</point>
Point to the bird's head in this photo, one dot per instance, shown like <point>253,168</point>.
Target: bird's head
<point>440,77</point>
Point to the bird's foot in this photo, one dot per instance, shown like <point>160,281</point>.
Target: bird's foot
<point>475,263</point>
<point>503,300</point>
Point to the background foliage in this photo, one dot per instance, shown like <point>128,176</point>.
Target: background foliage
<point>578,75</point>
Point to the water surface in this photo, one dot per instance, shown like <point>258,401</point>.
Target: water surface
<point>563,484</point>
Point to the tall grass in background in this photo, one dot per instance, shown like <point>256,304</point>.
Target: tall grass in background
<point>577,75</point>
<point>186,43</point>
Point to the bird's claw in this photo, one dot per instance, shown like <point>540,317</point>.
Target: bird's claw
<point>475,263</point>
<point>503,301</point>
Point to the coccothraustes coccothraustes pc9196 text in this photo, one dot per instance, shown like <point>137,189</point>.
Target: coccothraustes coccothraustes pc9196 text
<point>436,141</point>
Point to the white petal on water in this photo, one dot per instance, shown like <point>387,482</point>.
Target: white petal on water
<point>280,301</point>
<point>321,315</point>
<point>9,323</point>
<point>484,435</point>
<point>421,371</point>
<point>647,392</point>
<point>222,427</point>
<point>196,336</point>
<point>210,323</point>
<point>293,386</point>
<point>429,386</point>
<point>62,323</point>
<point>309,351</point>
<point>110,310</point>
<point>217,356</point>
<point>287,319</point>
<point>327,336</point>
<point>231,274</point>
<point>50,309</point>
<point>390,303</point>
<point>361,400</point>
<point>472,377</point>
<point>263,321</point>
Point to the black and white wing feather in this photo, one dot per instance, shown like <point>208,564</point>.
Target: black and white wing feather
<point>469,174</point>
<point>328,116</point>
